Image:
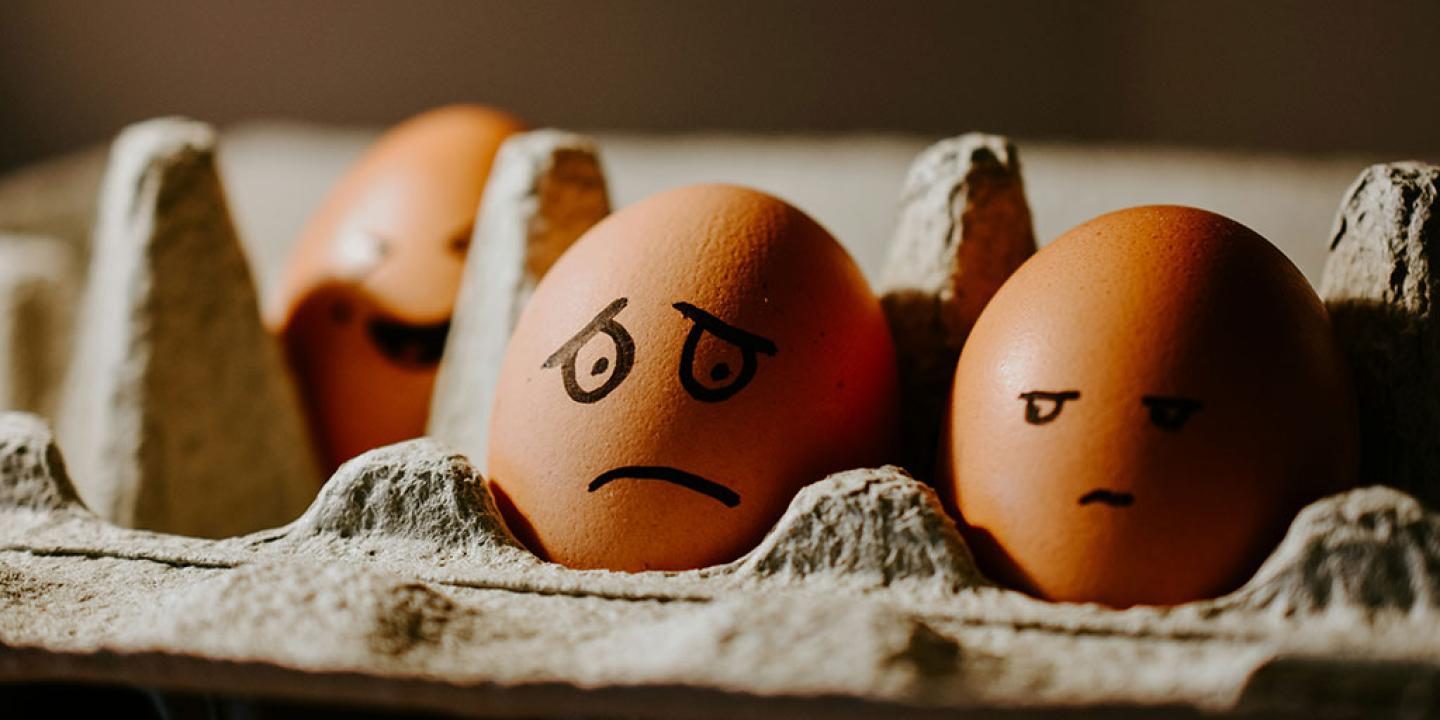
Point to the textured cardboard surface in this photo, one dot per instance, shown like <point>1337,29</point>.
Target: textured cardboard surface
<point>1380,286</point>
<point>964,227</point>
<point>37,299</point>
<point>178,410</point>
<point>401,578</point>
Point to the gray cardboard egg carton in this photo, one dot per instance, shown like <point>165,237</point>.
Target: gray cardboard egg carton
<point>399,586</point>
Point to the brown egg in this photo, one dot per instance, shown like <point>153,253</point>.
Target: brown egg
<point>1142,409</point>
<point>686,367</point>
<point>368,294</point>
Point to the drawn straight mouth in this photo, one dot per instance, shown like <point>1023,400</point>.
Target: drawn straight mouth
<point>417,346</point>
<point>1108,497</point>
<point>725,495</point>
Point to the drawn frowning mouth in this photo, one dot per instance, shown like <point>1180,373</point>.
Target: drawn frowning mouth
<point>1108,497</point>
<point>691,481</point>
<point>416,346</point>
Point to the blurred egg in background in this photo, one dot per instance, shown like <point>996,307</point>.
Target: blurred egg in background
<point>370,288</point>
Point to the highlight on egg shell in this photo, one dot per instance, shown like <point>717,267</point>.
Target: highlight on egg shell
<point>680,373</point>
<point>365,306</point>
<point>1143,408</point>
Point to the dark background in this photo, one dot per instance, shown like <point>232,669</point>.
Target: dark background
<point>1316,77</point>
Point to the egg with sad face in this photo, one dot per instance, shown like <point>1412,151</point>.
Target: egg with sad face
<point>679,374</point>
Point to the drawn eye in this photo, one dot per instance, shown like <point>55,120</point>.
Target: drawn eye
<point>341,312</point>
<point>720,379</point>
<point>459,244</point>
<point>1170,413</point>
<point>568,356</point>
<point>1043,406</point>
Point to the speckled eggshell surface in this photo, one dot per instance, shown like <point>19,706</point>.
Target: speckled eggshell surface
<point>365,307</point>
<point>1142,409</point>
<point>679,374</point>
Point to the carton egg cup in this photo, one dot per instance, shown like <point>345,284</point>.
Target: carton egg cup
<point>399,586</point>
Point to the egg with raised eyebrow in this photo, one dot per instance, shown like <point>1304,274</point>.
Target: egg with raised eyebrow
<point>1141,410</point>
<point>364,310</point>
<point>679,374</point>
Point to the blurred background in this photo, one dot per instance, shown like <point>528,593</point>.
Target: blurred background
<point>1263,111</point>
<point>1286,75</point>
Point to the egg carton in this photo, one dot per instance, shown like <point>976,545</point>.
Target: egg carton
<point>399,587</point>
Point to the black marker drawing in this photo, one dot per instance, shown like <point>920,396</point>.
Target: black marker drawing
<point>1170,413</point>
<point>342,312</point>
<point>1108,497</point>
<point>418,346</point>
<point>624,355</point>
<point>748,343</point>
<point>1036,414</point>
<point>460,242</point>
<point>726,496</point>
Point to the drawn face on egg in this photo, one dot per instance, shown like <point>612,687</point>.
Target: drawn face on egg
<point>679,375</point>
<point>1142,409</point>
<point>1168,413</point>
<point>717,384</point>
<point>366,305</point>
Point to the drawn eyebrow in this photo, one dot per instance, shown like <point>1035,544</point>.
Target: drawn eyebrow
<point>748,342</point>
<point>1112,498</point>
<point>1170,412</point>
<point>1033,414</point>
<point>725,331</point>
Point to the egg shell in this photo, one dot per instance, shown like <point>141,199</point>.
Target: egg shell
<point>1207,402</point>
<point>818,391</point>
<point>371,286</point>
